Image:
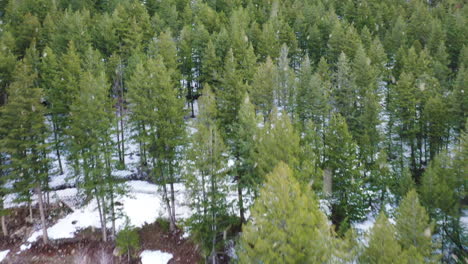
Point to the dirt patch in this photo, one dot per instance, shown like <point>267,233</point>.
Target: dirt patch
<point>86,247</point>
<point>155,237</point>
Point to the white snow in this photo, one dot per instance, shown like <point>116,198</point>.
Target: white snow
<point>155,257</point>
<point>3,254</point>
<point>464,220</point>
<point>24,247</point>
<point>143,205</point>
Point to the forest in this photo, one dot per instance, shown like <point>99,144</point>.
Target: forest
<point>294,131</point>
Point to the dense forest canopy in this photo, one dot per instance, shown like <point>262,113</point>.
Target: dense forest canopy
<point>290,104</point>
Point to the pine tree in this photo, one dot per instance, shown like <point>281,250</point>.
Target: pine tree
<point>413,228</point>
<point>158,118</point>
<point>344,92</point>
<point>89,131</point>
<point>263,87</point>
<point>24,131</point>
<point>230,95</point>
<point>341,160</point>
<point>441,192</point>
<point>312,96</point>
<point>244,154</point>
<point>278,141</point>
<point>286,93</point>
<point>51,84</point>
<point>383,246</point>
<point>287,225</point>
<point>207,180</point>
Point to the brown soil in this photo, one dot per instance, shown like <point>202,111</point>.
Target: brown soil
<point>86,247</point>
<point>155,237</point>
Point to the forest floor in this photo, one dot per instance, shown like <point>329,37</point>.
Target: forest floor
<point>86,247</point>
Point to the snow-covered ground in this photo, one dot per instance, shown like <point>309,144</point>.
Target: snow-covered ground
<point>142,205</point>
<point>3,254</point>
<point>155,257</point>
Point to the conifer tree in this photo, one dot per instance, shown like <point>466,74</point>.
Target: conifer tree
<point>345,93</point>
<point>263,87</point>
<point>158,117</point>
<point>413,228</point>
<point>383,246</point>
<point>230,95</point>
<point>90,139</point>
<point>341,160</point>
<point>51,84</point>
<point>24,133</point>
<point>287,225</point>
<point>278,141</point>
<point>244,154</point>
<point>286,93</point>
<point>312,96</point>
<point>207,180</point>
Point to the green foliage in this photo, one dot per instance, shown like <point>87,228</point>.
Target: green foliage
<point>341,159</point>
<point>128,240</point>
<point>287,225</point>
<point>383,246</point>
<point>413,228</point>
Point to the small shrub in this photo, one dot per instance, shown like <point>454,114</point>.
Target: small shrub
<point>163,223</point>
<point>128,240</point>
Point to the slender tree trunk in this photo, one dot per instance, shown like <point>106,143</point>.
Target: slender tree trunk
<point>30,211</point>
<point>4,226</point>
<point>104,219</point>
<point>118,141</point>
<point>204,194</point>
<point>173,202</point>
<point>166,199</point>
<point>241,201</point>
<point>101,218</point>
<point>57,145</point>
<point>42,213</point>
<point>121,110</point>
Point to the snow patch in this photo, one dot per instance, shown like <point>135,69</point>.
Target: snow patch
<point>3,254</point>
<point>25,247</point>
<point>155,257</point>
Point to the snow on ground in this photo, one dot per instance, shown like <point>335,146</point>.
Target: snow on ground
<point>464,220</point>
<point>3,254</point>
<point>142,205</point>
<point>155,257</point>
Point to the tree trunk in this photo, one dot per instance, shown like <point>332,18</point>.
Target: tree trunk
<point>41,211</point>
<point>173,202</point>
<point>101,218</point>
<point>57,147</point>
<point>30,212</point>
<point>166,199</point>
<point>4,226</point>
<point>241,202</point>
<point>121,111</point>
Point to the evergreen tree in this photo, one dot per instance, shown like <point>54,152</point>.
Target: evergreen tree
<point>413,228</point>
<point>442,190</point>
<point>383,246</point>
<point>230,95</point>
<point>244,154</point>
<point>312,97</point>
<point>207,181</point>
<point>345,93</point>
<point>90,139</point>
<point>287,225</point>
<point>286,93</point>
<point>278,141</point>
<point>341,160</point>
<point>158,117</point>
<point>24,133</point>
<point>263,87</point>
